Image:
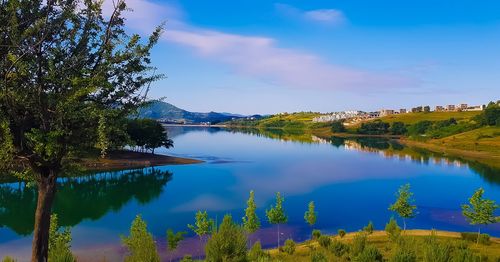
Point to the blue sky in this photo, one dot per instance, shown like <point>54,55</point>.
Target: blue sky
<point>260,56</point>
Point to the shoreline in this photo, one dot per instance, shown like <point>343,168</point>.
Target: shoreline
<point>119,160</point>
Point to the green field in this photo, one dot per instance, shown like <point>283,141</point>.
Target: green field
<point>412,118</point>
<point>451,245</point>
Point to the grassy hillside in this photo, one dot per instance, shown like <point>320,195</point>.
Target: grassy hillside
<point>449,243</point>
<point>412,118</point>
<point>301,120</point>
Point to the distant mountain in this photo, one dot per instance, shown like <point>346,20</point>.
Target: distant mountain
<point>171,114</point>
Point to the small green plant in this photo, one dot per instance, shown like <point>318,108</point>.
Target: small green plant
<point>404,206</point>
<point>59,242</point>
<point>341,233</point>
<point>140,244</point>
<point>324,241</point>
<point>338,248</point>
<point>316,234</point>
<point>318,256</point>
<point>229,243</point>
<point>8,259</point>
<point>484,239</point>
<point>369,254</point>
<point>392,228</point>
<point>405,251</point>
<point>480,211</point>
<point>289,246</point>
<point>358,244</point>
<point>256,253</point>
<point>276,214</point>
<point>187,258</point>
<point>369,228</point>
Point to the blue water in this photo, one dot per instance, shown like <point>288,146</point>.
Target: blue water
<point>350,182</point>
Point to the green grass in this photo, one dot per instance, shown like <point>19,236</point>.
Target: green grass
<point>412,118</point>
<point>484,139</point>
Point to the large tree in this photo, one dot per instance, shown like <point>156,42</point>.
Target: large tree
<point>67,73</point>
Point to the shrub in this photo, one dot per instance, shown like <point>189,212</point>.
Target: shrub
<point>8,259</point>
<point>59,242</point>
<point>392,229</point>
<point>341,233</point>
<point>256,253</point>
<point>324,241</point>
<point>289,246</point>
<point>318,257</point>
<point>338,248</point>
<point>229,243</point>
<point>140,243</point>
<point>472,237</point>
<point>398,128</point>
<point>369,254</point>
<point>187,258</point>
<point>376,127</point>
<point>358,244</point>
<point>405,251</point>
<point>338,127</point>
<point>369,228</point>
<point>316,234</point>
<point>433,251</point>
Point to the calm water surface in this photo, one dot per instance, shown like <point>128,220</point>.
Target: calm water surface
<point>351,182</point>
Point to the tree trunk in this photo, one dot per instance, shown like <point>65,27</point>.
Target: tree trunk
<point>46,192</point>
<point>278,238</point>
<point>478,235</point>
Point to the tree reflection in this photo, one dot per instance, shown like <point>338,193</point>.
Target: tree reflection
<point>89,197</point>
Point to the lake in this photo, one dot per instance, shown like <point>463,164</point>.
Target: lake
<point>352,181</point>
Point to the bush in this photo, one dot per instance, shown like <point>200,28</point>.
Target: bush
<point>341,233</point>
<point>229,243</point>
<point>187,258</point>
<point>405,251</point>
<point>398,128</point>
<point>318,257</point>
<point>256,253</point>
<point>433,251</point>
<point>338,248</point>
<point>369,254</point>
<point>369,228</point>
<point>289,246</point>
<point>338,127</point>
<point>140,243</point>
<point>59,242</point>
<point>472,237</point>
<point>8,259</point>
<point>358,244</point>
<point>324,241</point>
<point>392,229</point>
<point>376,127</point>
<point>316,234</point>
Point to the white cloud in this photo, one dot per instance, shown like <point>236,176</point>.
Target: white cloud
<point>324,16</point>
<point>259,57</point>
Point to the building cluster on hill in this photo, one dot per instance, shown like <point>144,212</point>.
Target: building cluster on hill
<point>354,116</point>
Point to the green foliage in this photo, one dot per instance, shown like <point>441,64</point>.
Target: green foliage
<point>318,256</point>
<point>289,246</point>
<point>392,228</point>
<point>140,244</point>
<point>316,234</point>
<point>8,259</point>
<point>341,233</point>
<point>339,248</point>
<point>256,253</point>
<point>398,128</point>
<point>276,214</point>
<point>203,225</point>
<point>187,258</point>
<point>148,134</point>
<point>490,115</point>
<point>405,251</point>
<point>173,239</point>
<point>369,254</point>
<point>338,127</point>
<point>251,221</point>
<point>324,241</point>
<point>311,215</point>
<point>473,237</point>
<point>59,242</point>
<point>369,228</point>
<point>434,251</point>
<point>228,243</point>
<point>480,211</point>
<point>404,204</point>
<point>376,127</point>
<point>358,244</point>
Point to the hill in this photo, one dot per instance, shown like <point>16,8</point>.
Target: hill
<point>412,118</point>
<point>171,114</point>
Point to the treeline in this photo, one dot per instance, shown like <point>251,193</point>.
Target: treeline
<point>143,135</point>
<point>229,241</point>
<point>427,129</point>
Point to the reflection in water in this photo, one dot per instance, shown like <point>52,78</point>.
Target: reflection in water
<point>89,197</point>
